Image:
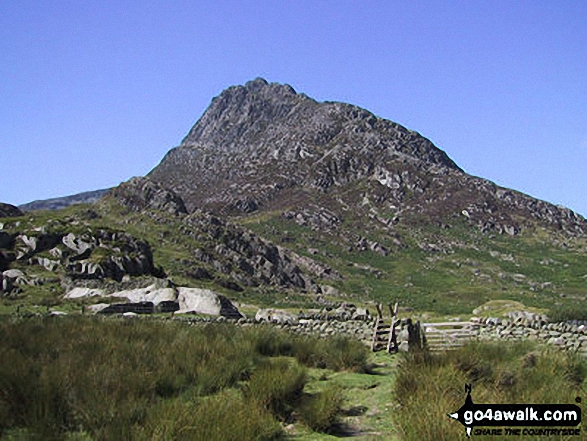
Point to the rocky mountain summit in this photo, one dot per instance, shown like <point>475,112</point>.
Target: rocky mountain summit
<point>274,199</point>
<point>263,146</point>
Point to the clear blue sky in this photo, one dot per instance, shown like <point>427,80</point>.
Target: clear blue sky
<point>95,92</point>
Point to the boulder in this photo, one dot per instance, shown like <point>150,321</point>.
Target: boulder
<point>204,301</point>
<point>13,274</point>
<point>10,278</point>
<point>151,293</point>
<point>79,292</point>
<point>275,316</point>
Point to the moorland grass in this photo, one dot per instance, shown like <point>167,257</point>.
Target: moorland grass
<point>101,379</point>
<point>429,386</point>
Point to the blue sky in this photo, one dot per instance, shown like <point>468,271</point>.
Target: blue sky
<point>95,92</point>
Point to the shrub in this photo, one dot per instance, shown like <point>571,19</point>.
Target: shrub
<point>226,416</point>
<point>276,385</point>
<point>322,412</point>
<point>92,378</point>
<point>429,386</point>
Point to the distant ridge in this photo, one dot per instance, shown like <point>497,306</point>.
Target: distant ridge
<point>86,197</point>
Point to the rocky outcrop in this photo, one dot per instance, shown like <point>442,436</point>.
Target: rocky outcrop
<point>92,255</point>
<point>317,218</point>
<point>243,257</point>
<point>7,210</point>
<point>141,193</point>
<point>262,146</point>
<point>160,297</point>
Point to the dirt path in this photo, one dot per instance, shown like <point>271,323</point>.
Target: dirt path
<point>369,402</point>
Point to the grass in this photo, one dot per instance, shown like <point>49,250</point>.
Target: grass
<point>82,378</point>
<point>145,379</point>
<point>368,400</point>
<point>568,312</point>
<point>537,268</point>
<point>429,386</point>
<point>471,269</point>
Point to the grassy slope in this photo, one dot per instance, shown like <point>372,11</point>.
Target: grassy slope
<point>536,268</point>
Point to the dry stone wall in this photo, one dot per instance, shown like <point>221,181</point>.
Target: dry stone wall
<point>571,336</point>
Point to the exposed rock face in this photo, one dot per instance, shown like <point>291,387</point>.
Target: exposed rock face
<point>256,140</point>
<point>7,210</point>
<point>140,194</point>
<point>263,146</point>
<point>246,258</point>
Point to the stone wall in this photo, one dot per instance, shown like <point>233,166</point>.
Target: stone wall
<point>325,324</point>
<point>570,336</point>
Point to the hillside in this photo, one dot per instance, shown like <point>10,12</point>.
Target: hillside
<point>87,197</point>
<point>273,198</point>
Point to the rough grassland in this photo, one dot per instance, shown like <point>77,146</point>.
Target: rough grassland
<point>91,379</point>
<point>429,386</point>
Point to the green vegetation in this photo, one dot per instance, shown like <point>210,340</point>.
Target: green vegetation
<point>436,269</point>
<point>429,386</point>
<point>91,379</point>
<point>568,312</point>
<point>81,378</point>
<point>446,271</point>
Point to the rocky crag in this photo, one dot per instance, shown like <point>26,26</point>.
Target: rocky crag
<point>263,146</point>
<point>76,251</point>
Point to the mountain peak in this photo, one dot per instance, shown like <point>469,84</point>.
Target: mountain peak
<point>248,130</point>
<point>256,84</point>
<point>241,108</point>
<point>262,146</point>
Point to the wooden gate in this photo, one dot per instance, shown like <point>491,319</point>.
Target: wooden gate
<point>449,335</point>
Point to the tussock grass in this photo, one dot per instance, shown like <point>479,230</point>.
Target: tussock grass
<point>561,313</point>
<point>337,353</point>
<point>429,386</point>
<point>102,379</point>
<point>322,412</point>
